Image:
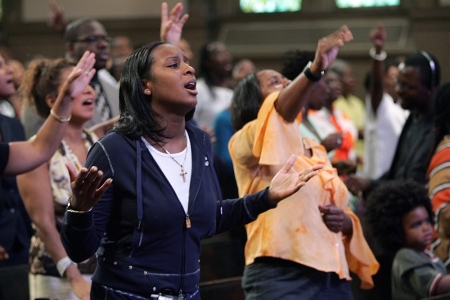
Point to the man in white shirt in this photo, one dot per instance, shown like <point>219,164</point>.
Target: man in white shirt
<point>384,117</point>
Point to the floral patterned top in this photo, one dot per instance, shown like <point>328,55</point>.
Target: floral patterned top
<point>40,260</point>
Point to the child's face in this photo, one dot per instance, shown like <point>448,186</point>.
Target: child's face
<point>417,229</point>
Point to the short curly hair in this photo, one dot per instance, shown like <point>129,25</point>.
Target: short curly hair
<point>388,204</point>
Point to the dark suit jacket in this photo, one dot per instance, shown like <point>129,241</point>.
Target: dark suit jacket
<point>416,163</point>
<point>15,224</point>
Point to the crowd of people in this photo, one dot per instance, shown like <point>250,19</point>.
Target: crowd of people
<point>116,163</point>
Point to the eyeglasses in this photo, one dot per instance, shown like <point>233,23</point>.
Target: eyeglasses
<point>94,40</point>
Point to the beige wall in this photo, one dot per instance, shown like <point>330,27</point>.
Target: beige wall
<point>427,26</point>
<point>37,10</point>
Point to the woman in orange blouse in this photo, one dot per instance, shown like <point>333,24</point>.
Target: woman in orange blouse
<point>302,249</point>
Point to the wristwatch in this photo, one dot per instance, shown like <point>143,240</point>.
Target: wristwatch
<point>310,75</point>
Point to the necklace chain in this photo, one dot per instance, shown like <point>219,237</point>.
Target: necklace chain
<point>183,173</point>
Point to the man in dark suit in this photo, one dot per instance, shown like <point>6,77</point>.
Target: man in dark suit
<point>418,78</point>
<point>15,224</point>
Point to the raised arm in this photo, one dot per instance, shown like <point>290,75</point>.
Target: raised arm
<point>293,98</point>
<point>172,25</point>
<point>378,37</point>
<point>25,156</point>
<point>56,17</point>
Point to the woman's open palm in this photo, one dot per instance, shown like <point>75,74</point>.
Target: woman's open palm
<point>80,76</point>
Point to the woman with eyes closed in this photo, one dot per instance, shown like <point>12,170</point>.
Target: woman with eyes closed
<point>304,248</point>
<point>164,198</point>
<point>45,190</point>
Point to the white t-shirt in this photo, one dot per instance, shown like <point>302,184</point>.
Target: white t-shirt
<point>209,106</point>
<point>381,135</point>
<point>172,170</point>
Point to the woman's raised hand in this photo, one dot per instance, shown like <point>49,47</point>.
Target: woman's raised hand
<point>328,48</point>
<point>74,85</point>
<point>284,184</point>
<point>85,187</point>
<point>172,25</point>
<point>80,76</point>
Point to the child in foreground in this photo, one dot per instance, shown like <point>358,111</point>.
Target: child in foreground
<point>401,217</point>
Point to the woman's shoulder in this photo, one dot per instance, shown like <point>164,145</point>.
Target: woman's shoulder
<point>113,137</point>
<point>114,143</point>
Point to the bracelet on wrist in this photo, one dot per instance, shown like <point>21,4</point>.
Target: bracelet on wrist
<point>71,210</point>
<point>63,264</point>
<point>59,118</point>
<point>379,57</point>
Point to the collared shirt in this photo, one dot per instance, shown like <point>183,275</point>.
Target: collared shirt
<point>415,274</point>
<point>381,135</point>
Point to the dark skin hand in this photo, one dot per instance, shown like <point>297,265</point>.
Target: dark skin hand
<point>332,141</point>
<point>286,183</point>
<point>345,167</point>
<point>336,220</point>
<point>3,254</point>
<point>85,187</point>
<point>56,17</point>
<point>443,286</point>
<point>356,184</point>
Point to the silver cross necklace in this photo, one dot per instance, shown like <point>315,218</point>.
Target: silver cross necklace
<point>183,173</point>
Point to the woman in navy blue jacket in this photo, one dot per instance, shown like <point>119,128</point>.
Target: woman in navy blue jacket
<point>164,197</point>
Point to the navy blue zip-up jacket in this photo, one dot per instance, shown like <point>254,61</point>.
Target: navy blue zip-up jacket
<point>145,246</point>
